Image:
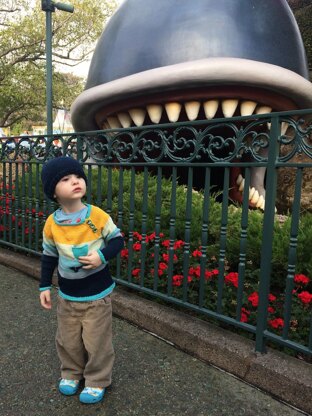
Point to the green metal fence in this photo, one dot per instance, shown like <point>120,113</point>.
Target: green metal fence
<point>169,188</point>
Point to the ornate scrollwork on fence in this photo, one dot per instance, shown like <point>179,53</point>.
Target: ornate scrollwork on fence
<point>297,140</point>
<point>213,143</point>
<point>198,142</point>
<point>37,148</point>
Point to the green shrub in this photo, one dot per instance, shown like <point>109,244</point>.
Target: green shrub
<point>103,180</point>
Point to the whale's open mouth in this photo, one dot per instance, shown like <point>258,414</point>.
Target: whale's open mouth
<point>195,105</point>
<point>198,90</point>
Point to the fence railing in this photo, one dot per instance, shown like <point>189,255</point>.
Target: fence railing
<point>173,190</point>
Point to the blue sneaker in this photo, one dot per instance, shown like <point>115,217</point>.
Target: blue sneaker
<point>91,395</point>
<point>68,387</point>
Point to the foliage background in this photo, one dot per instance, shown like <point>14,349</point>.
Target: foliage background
<point>303,12</point>
<point>22,56</point>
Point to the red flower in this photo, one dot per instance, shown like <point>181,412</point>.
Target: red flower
<point>232,278</point>
<point>208,274</point>
<point>305,297</point>
<point>124,253</point>
<point>166,257</point>
<point>194,271</point>
<point>150,237</point>
<point>254,299</point>
<point>197,253</point>
<point>272,298</point>
<point>136,272</point>
<point>244,315</point>
<point>137,246</point>
<point>245,311</point>
<point>178,244</point>
<point>137,236</point>
<point>276,323</point>
<point>271,310</point>
<point>177,280</point>
<point>163,266</point>
<point>301,279</point>
<point>166,243</point>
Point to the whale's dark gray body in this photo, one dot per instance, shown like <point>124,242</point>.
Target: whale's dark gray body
<point>147,34</point>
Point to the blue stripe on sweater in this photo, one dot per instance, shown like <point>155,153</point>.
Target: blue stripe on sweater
<point>88,298</point>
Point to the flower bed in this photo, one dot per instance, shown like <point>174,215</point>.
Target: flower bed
<point>155,267</point>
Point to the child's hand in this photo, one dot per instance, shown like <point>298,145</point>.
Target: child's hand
<point>45,299</point>
<point>91,261</point>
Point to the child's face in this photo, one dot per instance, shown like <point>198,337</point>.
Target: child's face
<point>69,188</point>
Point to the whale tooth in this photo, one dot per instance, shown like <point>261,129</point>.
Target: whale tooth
<point>192,109</point>
<point>251,193</point>
<point>138,116</point>
<point>229,107</point>
<point>173,111</point>
<point>248,107</point>
<point>284,127</point>
<point>239,179</point>
<point>210,108</point>
<point>261,202</point>
<point>263,109</point>
<point>255,197</point>
<point>241,185</point>
<point>113,123</point>
<point>124,119</point>
<point>154,112</point>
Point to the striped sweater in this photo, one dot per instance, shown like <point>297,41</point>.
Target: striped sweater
<point>62,245</point>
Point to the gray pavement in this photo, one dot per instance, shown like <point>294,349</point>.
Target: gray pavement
<point>151,377</point>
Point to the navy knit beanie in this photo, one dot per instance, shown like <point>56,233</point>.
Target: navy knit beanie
<point>55,169</point>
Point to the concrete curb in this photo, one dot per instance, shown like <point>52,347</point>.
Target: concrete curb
<point>282,376</point>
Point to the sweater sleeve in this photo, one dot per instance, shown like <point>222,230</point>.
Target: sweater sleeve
<point>113,247</point>
<point>49,258</point>
<point>48,265</point>
<point>113,239</point>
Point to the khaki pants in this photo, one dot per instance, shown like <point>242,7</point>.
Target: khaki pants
<point>84,341</point>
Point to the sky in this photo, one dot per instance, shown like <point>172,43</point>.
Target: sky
<point>82,69</point>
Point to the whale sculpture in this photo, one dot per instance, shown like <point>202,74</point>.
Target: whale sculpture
<point>177,60</point>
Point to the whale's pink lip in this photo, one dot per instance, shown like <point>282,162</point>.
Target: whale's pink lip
<point>269,84</point>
